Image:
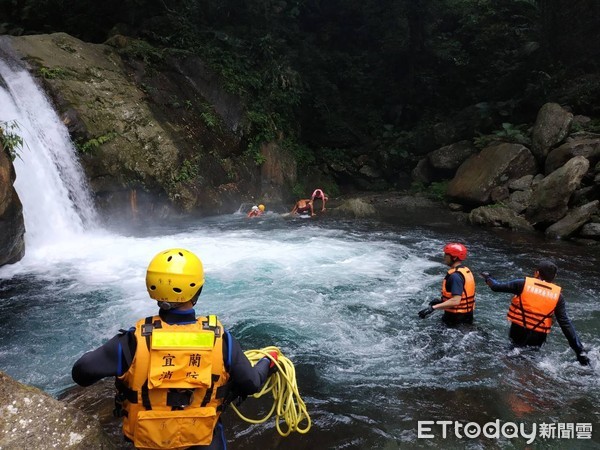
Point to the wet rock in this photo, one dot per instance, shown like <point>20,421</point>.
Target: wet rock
<point>12,238</point>
<point>31,419</point>
<point>355,207</point>
<point>572,221</point>
<point>499,216</point>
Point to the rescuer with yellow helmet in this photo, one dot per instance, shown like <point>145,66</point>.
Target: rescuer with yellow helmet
<point>256,211</point>
<point>174,372</point>
<point>536,301</point>
<point>458,288</point>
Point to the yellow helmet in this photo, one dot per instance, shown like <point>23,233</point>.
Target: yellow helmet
<point>261,207</point>
<point>174,276</point>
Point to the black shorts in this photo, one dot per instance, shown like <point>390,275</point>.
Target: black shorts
<point>457,318</point>
<point>522,337</point>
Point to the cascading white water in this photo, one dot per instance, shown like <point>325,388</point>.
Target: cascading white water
<point>50,181</point>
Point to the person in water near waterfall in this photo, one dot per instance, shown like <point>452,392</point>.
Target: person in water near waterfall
<point>318,193</point>
<point>458,289</point>
<point>256,211</point>
<point>535,300</point>
<point>303,206</point>
<point>175,372</point>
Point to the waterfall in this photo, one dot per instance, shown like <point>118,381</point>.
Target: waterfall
<point>50,181</point>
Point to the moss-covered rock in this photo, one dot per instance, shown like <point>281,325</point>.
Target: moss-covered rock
<point>156,131</point>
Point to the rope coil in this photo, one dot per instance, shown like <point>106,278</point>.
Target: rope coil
<point>288,406</point>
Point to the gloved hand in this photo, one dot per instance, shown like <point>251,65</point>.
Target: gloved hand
<point>583,359</point>
<point>485,275</point>
<point>425,312</point>
<point>272,366</point>
<point>436,301</point>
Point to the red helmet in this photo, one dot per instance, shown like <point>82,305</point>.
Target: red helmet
<point>456,250</point>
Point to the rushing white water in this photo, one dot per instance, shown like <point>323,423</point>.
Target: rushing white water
<point>50,182</point>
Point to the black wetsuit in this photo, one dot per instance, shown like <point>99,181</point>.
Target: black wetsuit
<point>109,361</point>
<point>521,336</point>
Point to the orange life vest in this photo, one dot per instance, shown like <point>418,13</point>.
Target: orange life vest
<point>173,392</point>
<point>467,300</point>
<point>533,309</point>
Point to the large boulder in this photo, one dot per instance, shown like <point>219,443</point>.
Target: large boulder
<point>355,208</point>
<point>499,216</point>
<point>423,172</point>
<point>494,166</point>
<point>572,221</point>
<point>449,158</point>
<point>551,127</point>
<point>12,225</point>
<point>31,419</point>
<point>550,198</point>
<point>589,148</point>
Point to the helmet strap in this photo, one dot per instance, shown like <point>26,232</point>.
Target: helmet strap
<point>167,306</point>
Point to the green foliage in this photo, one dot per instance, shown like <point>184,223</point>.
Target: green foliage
<point>299,191</point>
<point>208,115</point>
<point>52,73</point>
<point>303,155</point>
<point>593,126</point>
<point>142,50</point>
<point>92,144</point>
<point>435,191</point>
<point>484,140</point>
<point>345,76</point>
<point>512,132</point>
<point>10,140</point>
<point>262,129</point>
<point>333,155</point>
<point>508,133</point>
<point>187,171</point>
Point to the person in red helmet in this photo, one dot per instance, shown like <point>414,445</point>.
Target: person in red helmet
<point>458,289</point>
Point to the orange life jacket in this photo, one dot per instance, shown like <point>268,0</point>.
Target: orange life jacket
<point>467,300</point>
<point>533,309</point>
<point>172,394</point>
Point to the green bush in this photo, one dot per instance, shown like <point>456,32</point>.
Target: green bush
<point>10,140</point>
<point>92,144</point>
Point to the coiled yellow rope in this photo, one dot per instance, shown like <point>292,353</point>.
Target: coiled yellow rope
<point>287,403</point>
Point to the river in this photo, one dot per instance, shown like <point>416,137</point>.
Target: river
<point>338,297</point>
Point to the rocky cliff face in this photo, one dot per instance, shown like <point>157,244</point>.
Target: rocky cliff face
<point>157,133</point>
<point>12,244</point>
